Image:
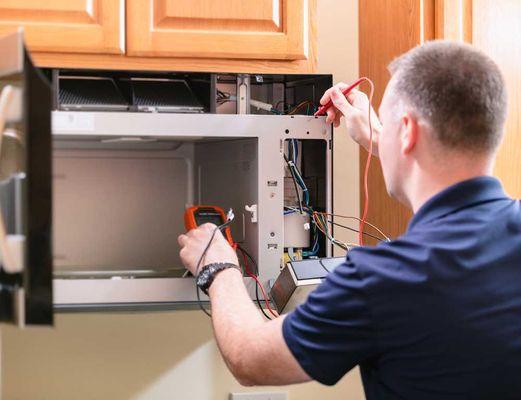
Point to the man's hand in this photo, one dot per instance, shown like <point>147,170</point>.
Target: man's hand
<point>355,110</point>
<point>195,241</point>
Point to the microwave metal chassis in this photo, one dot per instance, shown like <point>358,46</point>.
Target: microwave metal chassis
<point>124,292</point>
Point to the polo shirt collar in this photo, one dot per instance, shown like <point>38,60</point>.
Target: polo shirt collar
<point>458,196</point>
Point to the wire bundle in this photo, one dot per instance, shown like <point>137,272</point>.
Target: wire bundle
<point>258,285</point>
<point>254,275</point>
<point>223,97</point>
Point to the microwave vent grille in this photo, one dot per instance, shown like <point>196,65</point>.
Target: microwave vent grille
<point>90,94</point>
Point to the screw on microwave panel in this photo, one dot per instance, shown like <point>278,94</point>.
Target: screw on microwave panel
<point>287,131</point>
<point>272,195</point>
<point>272,234</point>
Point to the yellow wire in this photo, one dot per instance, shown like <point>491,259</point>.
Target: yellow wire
<point>322,226</point>
<point>299,106</point>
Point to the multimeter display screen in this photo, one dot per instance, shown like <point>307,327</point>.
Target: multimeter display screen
<point>203,216</point>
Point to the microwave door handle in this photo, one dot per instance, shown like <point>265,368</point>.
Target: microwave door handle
<point>6,97</point>
<point>10,264</point>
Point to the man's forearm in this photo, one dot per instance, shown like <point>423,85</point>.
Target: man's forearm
<point>254,349</point>
<point>234,318</point>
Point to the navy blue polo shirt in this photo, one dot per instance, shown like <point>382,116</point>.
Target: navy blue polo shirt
<point>434,314</point>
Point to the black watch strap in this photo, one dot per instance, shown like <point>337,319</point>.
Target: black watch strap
<point>208,273</point>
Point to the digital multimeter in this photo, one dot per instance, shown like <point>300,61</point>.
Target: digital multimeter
<point>199,215</point>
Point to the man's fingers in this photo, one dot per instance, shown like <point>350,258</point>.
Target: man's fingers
<point>208,226</point>
<point>182,240</point>
<point>327,94</point>
<point>340,101</point>
<point>331,114</point>
<point>336,122</point>
<point>351,96</point>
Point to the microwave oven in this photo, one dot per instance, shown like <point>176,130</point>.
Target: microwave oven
<point>110,160</point>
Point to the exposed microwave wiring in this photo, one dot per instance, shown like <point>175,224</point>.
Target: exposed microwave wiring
<point>258,285</point>
<point>252,274</point>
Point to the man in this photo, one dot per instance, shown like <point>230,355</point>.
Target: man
<point>434,314</point>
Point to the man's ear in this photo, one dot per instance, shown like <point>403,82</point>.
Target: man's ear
<point>409,134</point>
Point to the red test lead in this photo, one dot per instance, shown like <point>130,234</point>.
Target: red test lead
<point>322,110</point>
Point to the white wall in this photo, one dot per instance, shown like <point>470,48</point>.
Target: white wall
<point>172,355</point>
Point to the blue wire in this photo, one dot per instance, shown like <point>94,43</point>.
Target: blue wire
<point>302,184</point>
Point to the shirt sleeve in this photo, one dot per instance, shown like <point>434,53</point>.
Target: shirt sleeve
<point>333,330</point>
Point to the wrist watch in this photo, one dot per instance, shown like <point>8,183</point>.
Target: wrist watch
<point>208,273</point>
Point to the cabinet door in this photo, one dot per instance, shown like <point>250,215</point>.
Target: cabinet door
<point>496,30</point>
<point>72,26</point>
<point>489,25</point>
<point>245,29</point>
<point>388,28</point>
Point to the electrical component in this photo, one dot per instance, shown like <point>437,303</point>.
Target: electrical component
<point>199,215</point>
<point>229,218</point>
<point>295,233</point>
<point>298,279</point>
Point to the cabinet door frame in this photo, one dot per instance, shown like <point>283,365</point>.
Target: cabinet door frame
<point>291,42</point>
<point>98,28</point>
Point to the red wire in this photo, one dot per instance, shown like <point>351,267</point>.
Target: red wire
<point>251,275</point>
<point>367,165</point>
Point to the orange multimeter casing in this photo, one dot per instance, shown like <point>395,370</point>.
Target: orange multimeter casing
<point>198,215</point>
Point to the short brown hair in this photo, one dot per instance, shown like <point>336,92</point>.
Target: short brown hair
<point>457,89</point>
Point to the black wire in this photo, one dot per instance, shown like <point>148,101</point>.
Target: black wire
<point>356,230</point>
<point>256,272</point>
<point>199,302</point>
<point>323,266</point>
<point>294,183</point>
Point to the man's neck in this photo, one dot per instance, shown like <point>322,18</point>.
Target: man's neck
<point>428,185</point>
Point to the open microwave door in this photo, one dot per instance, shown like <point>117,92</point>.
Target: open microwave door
<point>25,188</point>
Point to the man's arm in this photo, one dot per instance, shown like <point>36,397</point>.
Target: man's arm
<point>253,349</point>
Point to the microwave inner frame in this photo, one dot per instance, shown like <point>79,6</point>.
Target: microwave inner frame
<point>234,160</point>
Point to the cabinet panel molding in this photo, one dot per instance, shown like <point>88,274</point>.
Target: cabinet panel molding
<point>237,29</point>
<point>73,26</point>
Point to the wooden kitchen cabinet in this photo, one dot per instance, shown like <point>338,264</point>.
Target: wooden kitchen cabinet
<point>252,29</point>
<point>72,26</point>
<point>264,36</point>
